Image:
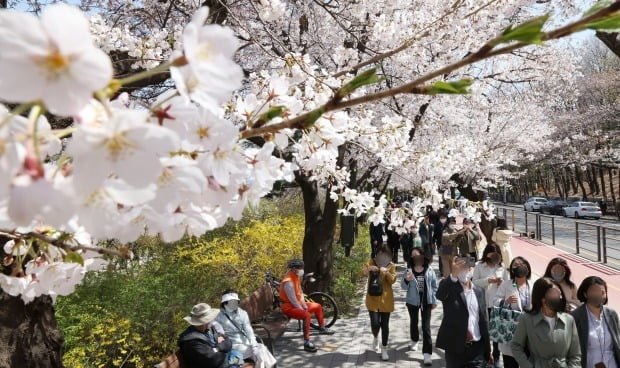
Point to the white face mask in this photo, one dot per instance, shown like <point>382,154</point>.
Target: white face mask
<point>443,221</point>
<point>300,273</point>
<point>231,306</point>
<point>453,227</point>
<point>465,276</point>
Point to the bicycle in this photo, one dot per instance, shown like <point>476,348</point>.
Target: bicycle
<point>330,308</point>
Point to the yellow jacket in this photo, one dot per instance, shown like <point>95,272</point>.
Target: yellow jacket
<point>385,301</point>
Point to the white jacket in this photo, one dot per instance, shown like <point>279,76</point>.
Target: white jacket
<point>504,290</point>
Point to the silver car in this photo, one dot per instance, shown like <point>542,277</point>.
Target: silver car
<point>583,209</point>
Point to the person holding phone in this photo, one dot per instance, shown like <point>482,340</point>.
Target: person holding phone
<point>420,281</point>
<point>380,306</point>
<point>463,333</point>
<point>515,293</point>
<point>488,274</point>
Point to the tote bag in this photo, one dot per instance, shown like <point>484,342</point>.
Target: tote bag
<point>502,324</point>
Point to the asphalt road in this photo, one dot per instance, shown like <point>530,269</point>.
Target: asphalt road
<point>589,232</point>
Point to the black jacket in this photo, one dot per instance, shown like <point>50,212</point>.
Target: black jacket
<point>581,320</point>
<point>376,233</point>
<point>426,233</point>
<point>198,353</point>
<point>437,231</point>
<point>453,329</point>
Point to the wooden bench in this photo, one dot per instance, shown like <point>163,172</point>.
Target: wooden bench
<point>175,360</point>
<point>268,323</point>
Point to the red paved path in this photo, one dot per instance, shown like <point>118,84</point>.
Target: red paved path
<point>539,254</point>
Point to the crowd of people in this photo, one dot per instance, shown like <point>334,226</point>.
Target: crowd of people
<point>494,314</point>
<point>544,323</point>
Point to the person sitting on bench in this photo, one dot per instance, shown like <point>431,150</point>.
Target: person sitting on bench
<point>204,344</point>
<point>294,306</point>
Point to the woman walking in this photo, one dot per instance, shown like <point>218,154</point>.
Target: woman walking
<point>516,293</point>
<point>488,274</point>
<point>597,326</point>
<point>501,236</point>
<point>380,306</point>
<point>420,281</point>
<point>558,270</point>
<point>546,336</point>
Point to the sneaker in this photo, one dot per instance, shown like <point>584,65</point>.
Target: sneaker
<point>375,344</point>
<point>384,353</point>
<point>413,345</point>
<point>309,347</point>
<point>427,360</point>
<point>326,331</point>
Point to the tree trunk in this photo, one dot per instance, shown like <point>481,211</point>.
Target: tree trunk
<point>29,335</point>
<point>556,182</point>
<point>601,174</point>
<point>580,182</point>
<point>542,183</point>
<point>571,180</point>
<point>611,186</point>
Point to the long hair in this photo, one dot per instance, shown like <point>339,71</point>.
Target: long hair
<point>525,262</point>
<point>539,290</point>
<point>562,262</point>
<point>491,248</point>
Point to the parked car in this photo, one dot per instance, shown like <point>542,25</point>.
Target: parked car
<point>554,207</point>
<point>534,203</point>
<point>583,209</point>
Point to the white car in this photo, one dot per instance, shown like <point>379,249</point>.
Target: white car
<point>534,204</point>
<point>583,209</point>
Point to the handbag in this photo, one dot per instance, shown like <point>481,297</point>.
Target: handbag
<point>375,283</point>
<point>263,357</point>
<point>503,323</point>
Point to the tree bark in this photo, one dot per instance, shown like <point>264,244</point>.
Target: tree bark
<point>611,186</point>
<point>601,174</point>
<point>319,230</point>
<point>571,180</point>
<point>29,335</point>
<point>580,182</point>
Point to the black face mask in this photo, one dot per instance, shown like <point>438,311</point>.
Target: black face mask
<point>520,271</point>
<point>554,304</point>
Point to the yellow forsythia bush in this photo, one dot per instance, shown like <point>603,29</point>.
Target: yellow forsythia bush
<point>132,317</point>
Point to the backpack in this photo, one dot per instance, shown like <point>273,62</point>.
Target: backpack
<point>375,283</point>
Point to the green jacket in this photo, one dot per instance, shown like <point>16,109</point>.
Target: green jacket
<point>559,349</point>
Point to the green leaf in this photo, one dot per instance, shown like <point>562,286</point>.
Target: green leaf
<point>273,112</point>
<point>598,6</point>
<point>367,77</point>
<point>314,115</point>
<point>458,87</point>
<point>74,258</point>
<point>528,32</point>
<point>610,24</point>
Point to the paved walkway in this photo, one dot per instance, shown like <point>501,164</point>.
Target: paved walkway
<point>350,346</point>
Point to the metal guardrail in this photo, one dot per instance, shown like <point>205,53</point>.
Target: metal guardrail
<point>590,240</point>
